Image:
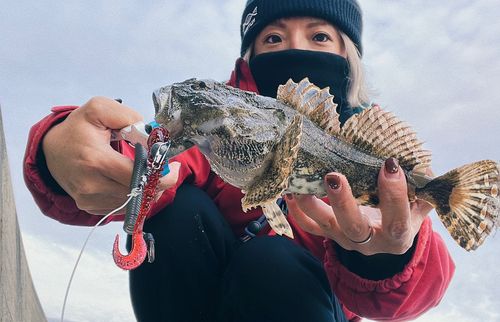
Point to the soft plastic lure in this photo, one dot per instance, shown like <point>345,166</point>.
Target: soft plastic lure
<point>147,172</point>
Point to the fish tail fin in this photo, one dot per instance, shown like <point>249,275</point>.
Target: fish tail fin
<point>467,201</point>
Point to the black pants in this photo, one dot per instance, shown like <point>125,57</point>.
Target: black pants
<point>202,272</point>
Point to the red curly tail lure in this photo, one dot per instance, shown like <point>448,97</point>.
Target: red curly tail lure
<point>158,146</point>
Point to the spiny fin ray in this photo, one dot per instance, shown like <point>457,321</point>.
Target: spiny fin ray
<point>314,103</point>
<point>382,134</point>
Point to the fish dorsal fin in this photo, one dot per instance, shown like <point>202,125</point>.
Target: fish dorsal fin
<point>381,133</point>
<point>314,103</point>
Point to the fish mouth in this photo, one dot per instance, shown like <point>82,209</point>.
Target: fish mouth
<point>166,116</point>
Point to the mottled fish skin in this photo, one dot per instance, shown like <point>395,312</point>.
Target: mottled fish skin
<point>269,147</point>
<point>238,132</point>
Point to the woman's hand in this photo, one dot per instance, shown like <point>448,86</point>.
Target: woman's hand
<point>389,229</point>
<point>81,160</point>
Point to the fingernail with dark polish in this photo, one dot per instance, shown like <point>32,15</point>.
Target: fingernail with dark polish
<point>333,181</point>
<point>391,165</point>
<point>289,196</point>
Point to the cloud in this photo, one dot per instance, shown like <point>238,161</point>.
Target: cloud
<point>435,64</point>
<point>99,291</point>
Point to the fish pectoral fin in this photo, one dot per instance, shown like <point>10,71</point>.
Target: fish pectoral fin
<point>274,180</point>
<point>277,219</point>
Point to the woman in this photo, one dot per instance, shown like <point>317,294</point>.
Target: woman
<point>384,264</point>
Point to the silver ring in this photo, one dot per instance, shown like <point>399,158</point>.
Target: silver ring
<point>369,237</point>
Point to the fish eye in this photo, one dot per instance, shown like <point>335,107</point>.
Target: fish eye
<point>200,85</point>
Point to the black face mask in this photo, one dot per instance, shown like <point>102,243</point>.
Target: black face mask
<point>270,70</point>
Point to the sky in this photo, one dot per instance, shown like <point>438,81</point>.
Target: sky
<point>434,63</point>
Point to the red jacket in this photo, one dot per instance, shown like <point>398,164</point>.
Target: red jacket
<point>408,294</point>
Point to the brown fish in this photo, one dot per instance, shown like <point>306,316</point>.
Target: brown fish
<point>270,147</point>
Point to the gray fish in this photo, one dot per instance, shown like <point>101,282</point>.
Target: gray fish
<point>270,147</point>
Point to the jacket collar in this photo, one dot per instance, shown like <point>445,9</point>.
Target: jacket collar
<point>242,78</point>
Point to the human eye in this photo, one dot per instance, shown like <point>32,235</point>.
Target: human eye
<point>321,37</point>
<point>272,39</point>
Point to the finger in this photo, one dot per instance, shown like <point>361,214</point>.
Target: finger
<point>419,210</point>
<point>422,207</point>
<point>394,205</point>
<point>318,211</point>
<point>101,204</point>
<point>430,172</point>
<point>86,187</point>
<point>88,126</point>
<point>169,180</point>
<point>306,223</point>
<point>351,220</point>
<point>112,165</point>
<point>108,113</point>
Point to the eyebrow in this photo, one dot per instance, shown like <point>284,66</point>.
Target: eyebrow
<point>277,23</point>
<point>315,22</point>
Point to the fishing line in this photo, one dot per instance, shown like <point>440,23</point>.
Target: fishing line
<point>133,193</point>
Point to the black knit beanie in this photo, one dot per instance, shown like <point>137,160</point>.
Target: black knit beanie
<point>343,14</point>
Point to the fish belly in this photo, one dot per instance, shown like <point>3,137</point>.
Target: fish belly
<point>320,154</point>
